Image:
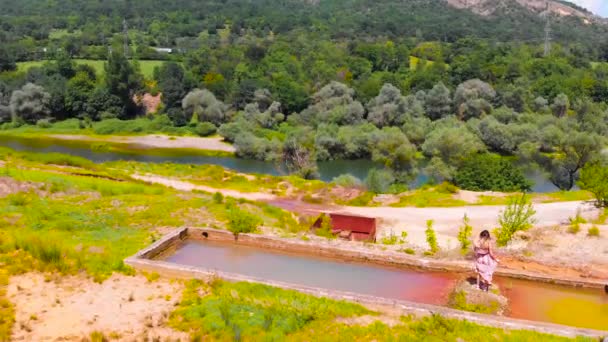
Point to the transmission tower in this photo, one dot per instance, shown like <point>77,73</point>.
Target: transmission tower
<point>547,16</point>
<point>125,32</point>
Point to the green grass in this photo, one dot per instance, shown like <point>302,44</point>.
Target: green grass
<point>252,311</point>
<point>45,230</point>
<point>147,67</point>
<point>225,311</point>
<point>458,300</point>
<point>428,198</point>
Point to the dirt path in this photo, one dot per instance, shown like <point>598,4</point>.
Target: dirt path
<point>187,186</point>
<point>71,308</point>
<point>156,141</point>
<point>411,220</point>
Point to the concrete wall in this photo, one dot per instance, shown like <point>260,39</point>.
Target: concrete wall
<point>144,261</point>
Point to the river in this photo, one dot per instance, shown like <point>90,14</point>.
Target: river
<point>328,170</point>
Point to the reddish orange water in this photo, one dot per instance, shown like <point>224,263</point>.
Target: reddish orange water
<point>528,300</point>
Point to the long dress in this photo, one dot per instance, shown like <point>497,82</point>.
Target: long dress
<point>485,265</point>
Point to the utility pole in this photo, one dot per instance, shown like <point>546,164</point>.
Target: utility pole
<point>547,32</point>
<point>125,31</point>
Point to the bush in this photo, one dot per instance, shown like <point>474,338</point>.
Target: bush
<point>518,215</point>
<point>205,129</point>
<point>44,123</point>
<point>593,179</point>
<point>379,181</point>
<point>326,229</point>
<point>394,239</point>
<point>218,198</point>
<point>347,181</point>
<point>593,231</point>
<point>240,221</point>
<point>464,234</point>
<point>446,188</point>
<point>431,238</point>
<point>486,172</point>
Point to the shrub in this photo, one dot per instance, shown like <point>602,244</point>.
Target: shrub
<point>593,231</point>
<point>218,198</point>
<point>593,178</point>
<point>409,251</point>
<point>431,238</point>
<point>347,181</point>
<point>518,215</point>
<point>486,172</point>
<point>240,221</point>
<point>575,223</point>
<point>44,123</point>
<point>394,239</point>
<point>379,181</point>
<point>446,188</point>
<point>464,234</point>
<point>326,229</point>
<point>205,129</point>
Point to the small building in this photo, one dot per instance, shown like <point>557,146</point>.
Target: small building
<point>350,227</point>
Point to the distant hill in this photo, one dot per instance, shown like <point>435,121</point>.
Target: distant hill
<point>555,7</point>
<point>94,22</point>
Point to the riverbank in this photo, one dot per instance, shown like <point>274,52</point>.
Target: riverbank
<point>152,144</point>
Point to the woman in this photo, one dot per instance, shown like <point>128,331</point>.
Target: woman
<point>485,260</point>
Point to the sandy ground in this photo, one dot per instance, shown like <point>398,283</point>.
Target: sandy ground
<point>448,220</point>
<point>71,308</point>
<point>187,186</point>
<point>157,141</point>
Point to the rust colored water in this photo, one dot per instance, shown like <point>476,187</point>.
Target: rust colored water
<point>585,308</point>
<point>394,283</point>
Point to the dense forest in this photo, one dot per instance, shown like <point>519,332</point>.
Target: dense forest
<point>408,84</point>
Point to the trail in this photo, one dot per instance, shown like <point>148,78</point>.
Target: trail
<point>187,186</point>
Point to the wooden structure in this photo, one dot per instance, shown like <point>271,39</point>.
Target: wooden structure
<point>350,227</point>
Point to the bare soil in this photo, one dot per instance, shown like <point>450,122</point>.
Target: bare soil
<point>71,308</point>
<point>156,141</point>
<point>10,186</point>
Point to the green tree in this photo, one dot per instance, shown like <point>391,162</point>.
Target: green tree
<point>594,178</point>
<point>485,172</point>
<point>30,103</point>
<point>172,83</point>
<point>122,81</point>
<point>577,149</point>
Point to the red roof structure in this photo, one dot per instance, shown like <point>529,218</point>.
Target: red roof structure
<point>350,227</point>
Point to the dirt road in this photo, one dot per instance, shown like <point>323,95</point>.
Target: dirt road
<point>409,219</point>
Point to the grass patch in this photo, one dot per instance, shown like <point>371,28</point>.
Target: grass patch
<point>252,311</point>
<point>146,67</point>
<point>458,300</point>
<point>594,231</point>
<point>428,197</point>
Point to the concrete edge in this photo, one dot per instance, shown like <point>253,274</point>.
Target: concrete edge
<point>144,260</point>
<point>180,271</point>
<point>384,258</point>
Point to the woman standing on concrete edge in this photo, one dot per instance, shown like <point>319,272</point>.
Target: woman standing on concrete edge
<point>485,260</point>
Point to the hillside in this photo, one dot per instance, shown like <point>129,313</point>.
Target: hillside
<point>556,8</point>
